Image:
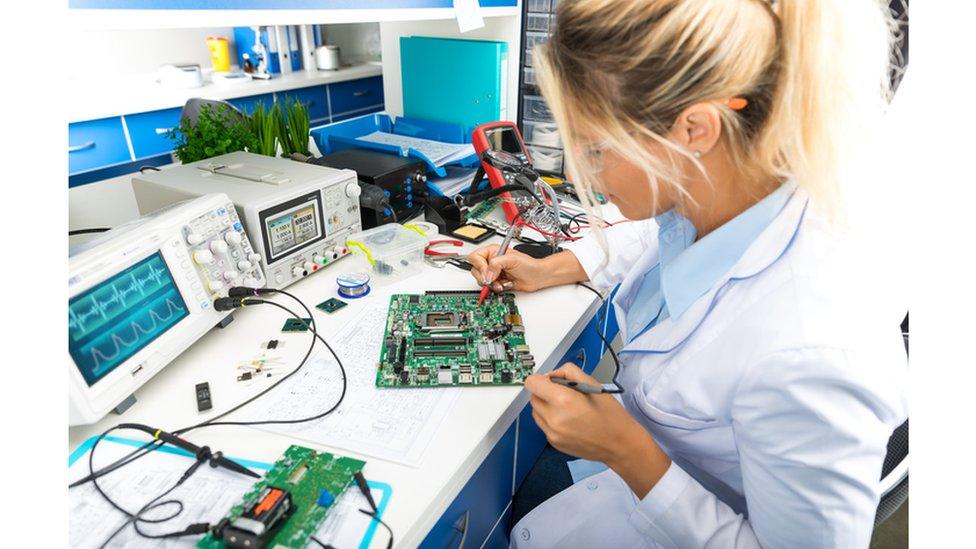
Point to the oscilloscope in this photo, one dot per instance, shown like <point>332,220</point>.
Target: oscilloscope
<point>142,293</point>
<point>298,214</point>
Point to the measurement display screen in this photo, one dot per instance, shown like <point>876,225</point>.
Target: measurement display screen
<point>293,228</point>
<point>121,315</point>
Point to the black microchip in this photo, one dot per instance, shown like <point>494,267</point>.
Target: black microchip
<point>506,376</point>
<point>404,377</point>
<point>415,299</point>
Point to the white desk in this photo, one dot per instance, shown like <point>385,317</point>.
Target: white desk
<point>554,318</point>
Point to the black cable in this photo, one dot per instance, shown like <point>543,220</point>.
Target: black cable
<point>599,332</point>
<point>89,231</point>
<point>322,545</point>
<point>135,518</point>
<point>376,517</point>
<point>153,168</point>
<point>153,445</point>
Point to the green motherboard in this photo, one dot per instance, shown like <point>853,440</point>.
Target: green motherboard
<point>288,505</point>
<point>445,338</point>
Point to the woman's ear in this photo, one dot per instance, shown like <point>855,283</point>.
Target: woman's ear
<point>697,129</point>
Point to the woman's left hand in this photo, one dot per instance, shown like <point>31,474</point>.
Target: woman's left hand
<point>594,427</point>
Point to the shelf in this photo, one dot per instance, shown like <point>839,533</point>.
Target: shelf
<point>128,18</point>
<point>99,99</point>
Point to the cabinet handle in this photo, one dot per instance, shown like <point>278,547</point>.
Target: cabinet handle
<point>360,93</point>
<point>82,147</point>
<point>163,131</point>
<point>461,525</point>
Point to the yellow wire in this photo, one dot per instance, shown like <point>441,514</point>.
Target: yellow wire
<point>362,248</point>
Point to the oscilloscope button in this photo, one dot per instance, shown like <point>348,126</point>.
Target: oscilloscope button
<point>218,247</point>
<point>203,257</point>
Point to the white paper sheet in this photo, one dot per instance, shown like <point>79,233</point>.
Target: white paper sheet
<point>393,424</point>
<point>468,16</point>
<point>206,497</point>
<point>438,152</point>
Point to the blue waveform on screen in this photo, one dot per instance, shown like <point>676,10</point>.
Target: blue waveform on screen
<point>111,322</point>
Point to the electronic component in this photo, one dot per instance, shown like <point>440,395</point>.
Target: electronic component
<point>272,344</point>
<point>473,233</point>
<point>296,325</point>
<point>445,338</point>
<point>203,397</point>
<point>397,177</point>
<point>331,305</point>
<point>500,136</point>
<point>142,293</point>
<point>299,215</point>
<point>288,505</point>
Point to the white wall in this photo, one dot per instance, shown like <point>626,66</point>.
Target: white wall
<point>504,28</point>
<point>358,42</point>
<point>118,53</point>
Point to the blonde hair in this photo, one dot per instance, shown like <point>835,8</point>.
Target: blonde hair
<point>814,73</point>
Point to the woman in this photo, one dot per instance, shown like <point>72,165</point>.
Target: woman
<point>759,387</point>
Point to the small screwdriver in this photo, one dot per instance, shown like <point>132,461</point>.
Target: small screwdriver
<point>501,251</point>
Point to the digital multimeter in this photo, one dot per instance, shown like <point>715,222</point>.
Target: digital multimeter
<point>500,136</point>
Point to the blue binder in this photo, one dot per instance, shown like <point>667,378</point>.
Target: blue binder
<point>453,80</point>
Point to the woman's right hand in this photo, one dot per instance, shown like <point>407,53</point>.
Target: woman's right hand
<point>512,271</point>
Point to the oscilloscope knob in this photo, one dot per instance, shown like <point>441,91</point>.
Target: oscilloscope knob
<point>232,237</point>
<point>193,239</point>
<point>244,265</point>
<point>297,271</point>
<point>254,257</point>
<point>215,285</point>
<point>353,190</point>
<point>230,276</point>
<point>218,247</point>
<point>203,257</point>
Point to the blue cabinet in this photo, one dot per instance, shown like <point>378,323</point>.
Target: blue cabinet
<point>247,104</point>
<point>355,95</point>
<point>315,101</point>
<point>148,131</point>
<point>96,143</point>
<point>483,500</point>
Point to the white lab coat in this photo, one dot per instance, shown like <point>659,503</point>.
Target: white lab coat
<point>774,394</point>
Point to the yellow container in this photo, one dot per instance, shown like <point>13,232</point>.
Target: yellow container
<point>219,53</point>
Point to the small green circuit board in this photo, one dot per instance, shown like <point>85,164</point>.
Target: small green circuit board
<point>444,338</point>
<point>304,474</point>
<point>482,209</point>
<point>331,305</point>
<point>296,325</point>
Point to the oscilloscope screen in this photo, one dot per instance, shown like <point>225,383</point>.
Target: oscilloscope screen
<point>121,315</point>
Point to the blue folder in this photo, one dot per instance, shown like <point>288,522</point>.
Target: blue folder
<point>453,80</point>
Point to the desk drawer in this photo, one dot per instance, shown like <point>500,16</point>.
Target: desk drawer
<point>148,131</point>
<point>314,99</point>
<point>482,501</point>
<point>356,94</point>
<point>246,104</point>
<point>96,144</point>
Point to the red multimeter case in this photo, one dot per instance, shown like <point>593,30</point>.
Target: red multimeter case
<point>500,136</point>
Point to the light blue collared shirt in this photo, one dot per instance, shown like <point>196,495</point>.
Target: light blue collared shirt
<point>687,269</point>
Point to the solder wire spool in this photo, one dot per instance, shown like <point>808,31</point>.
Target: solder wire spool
<point>353,285</point>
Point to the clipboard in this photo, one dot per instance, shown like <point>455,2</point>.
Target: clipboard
<point>385,490</point>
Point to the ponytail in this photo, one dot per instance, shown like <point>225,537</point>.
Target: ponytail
<point>831,88</point>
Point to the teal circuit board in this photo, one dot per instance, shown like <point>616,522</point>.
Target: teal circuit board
<point>444,338</point>
<point>292,500</point>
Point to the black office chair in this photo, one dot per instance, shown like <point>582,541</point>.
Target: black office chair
<point>894,471</point>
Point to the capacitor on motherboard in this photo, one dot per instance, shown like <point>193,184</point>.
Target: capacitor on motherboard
<point>353,285</point>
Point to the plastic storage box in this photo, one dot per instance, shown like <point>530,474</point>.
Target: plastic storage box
<point>393,252</point>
